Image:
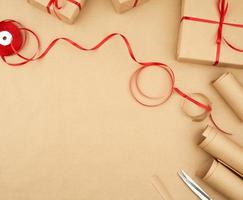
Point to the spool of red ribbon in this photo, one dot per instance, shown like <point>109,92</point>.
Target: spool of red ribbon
<point>11,38</point>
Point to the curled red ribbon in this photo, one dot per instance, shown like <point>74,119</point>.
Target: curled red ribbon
<point>7,25</point>
<point>222,7</point>
<point>135,76</point>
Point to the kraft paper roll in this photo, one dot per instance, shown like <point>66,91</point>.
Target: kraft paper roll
<point>232,92</point>
<point>160,187</point>
<point>224,181</point>
<point>222,148</point>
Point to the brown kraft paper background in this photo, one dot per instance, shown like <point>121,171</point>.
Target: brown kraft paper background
<point>69,127</point>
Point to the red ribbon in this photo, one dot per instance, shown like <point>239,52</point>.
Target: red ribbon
<point>222,10</point>
<point>135,76</point>
<point>55,5</point>
<point>135,3</point>
<point>134,85</point>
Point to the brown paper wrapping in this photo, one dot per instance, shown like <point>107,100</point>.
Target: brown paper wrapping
<point>197,40</point>
<point>125,5</point>
<point>68,13</point>
<point>224,181</point>
<point>160,187</point>
<point>222,148</point>
<point>232,92</point>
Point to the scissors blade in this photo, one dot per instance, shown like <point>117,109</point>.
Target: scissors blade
<point>193,186</point>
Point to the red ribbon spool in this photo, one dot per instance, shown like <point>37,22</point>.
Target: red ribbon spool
<point>17,38</point>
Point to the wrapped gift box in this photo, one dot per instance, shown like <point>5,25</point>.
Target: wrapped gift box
<point>67,10</point>
<point>200,30</point>
<point>125,5</point>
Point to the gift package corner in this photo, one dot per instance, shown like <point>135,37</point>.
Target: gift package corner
<point>204,31</point>
<point>66,11</point>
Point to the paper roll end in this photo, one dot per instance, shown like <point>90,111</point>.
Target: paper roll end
<point>207,169</point>
<point>207,136</point>
<point>221,78</point>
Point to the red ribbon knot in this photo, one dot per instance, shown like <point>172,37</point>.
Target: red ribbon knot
<point>222,10</point>
<point>56,6</point>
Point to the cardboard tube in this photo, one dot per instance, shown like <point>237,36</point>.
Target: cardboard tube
<point>222,148</point>
<point>232,92</point>
<point>160,187</point>
<point>224,181</point>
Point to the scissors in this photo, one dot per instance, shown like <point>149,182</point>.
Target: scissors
<point>193,186</point>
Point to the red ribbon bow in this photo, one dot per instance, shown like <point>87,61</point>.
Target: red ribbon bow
<point>222,10</point>
<point>56,5</point>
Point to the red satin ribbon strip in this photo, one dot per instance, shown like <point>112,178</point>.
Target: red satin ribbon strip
<point>135,87</point>
<point>48,7</point>
<point>210,21</point>
<point>76,3</point>
<point>217,126</point>
<point>185,96</point>
<point>233,47</point>
<point>55,5</point>
<point>135,75</point>
<point>135,3</point>
<point>222,10</point>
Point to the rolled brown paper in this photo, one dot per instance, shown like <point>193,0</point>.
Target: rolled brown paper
<point>160,187</point>
<point>222,148</point>
<point>232,92</point>
<point>224,181</point>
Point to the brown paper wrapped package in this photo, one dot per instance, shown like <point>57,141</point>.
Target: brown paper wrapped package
<point>68,13</point>
<point>223,180</point>
<point>197,40</point>
<point>232,92</point>
<point>222,148</point>
<point>125,5</point>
